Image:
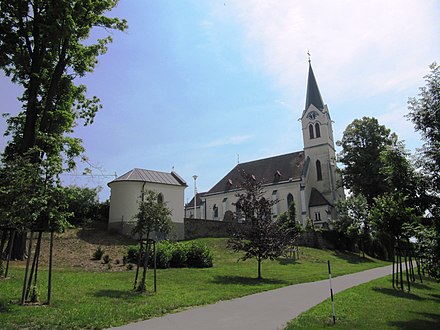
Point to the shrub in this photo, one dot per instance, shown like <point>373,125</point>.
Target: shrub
<point>198,255</point>
<point>164,252</point>
<point>97,255</point>
<point>132,254</point>
<point>179,255</point>
<point>188,254</point>
<point>34,295</point>
<point>106,259</point>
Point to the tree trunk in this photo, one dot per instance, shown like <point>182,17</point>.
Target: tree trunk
<point>23,294</point>
<point>19,247</point>
<point>144,274</point>
<point>49,285</point>
<point>10,244</point>
<point>138,263</point>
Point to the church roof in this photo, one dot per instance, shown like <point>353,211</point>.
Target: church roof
<point>313,96</point>
<point>317,199</point>
<point>274,170</point>
<point>199,200</point>
<point>141,175</point>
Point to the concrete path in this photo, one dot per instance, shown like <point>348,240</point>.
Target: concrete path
<point>266,311</point>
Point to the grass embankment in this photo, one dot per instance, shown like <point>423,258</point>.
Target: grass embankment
<point>376,305</point>
<point>85,299</point>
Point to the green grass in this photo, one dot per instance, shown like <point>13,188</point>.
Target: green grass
<point>96,300</point>
<point>376,305</point>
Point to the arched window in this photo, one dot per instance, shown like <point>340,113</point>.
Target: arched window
<point>215,211</point>
<point>289,200</point>
<point>311,133</point>
<point>160,198</point>
<point>317,130</point>
<point>318,170</point>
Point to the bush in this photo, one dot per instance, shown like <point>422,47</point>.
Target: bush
<point>106,259</point>
<point>164,252</point>
<point>97,255</point>
<point>179,255</point>
<point>176,255</point>
<point>198,255</point>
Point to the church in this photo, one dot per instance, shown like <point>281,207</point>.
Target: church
<point>308,177</point>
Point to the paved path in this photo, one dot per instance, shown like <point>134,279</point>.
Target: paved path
<point>266,310</point>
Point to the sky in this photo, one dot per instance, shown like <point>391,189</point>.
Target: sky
<point>197,86</point>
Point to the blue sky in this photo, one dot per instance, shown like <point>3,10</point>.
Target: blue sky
<point>193,84</point>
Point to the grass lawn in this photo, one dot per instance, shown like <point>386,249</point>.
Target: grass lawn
<point>84,299</point>
<point>376,305</point>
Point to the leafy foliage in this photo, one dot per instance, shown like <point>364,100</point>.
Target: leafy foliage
<point>190,254</point>
<point>353,220</point>
<point>388,217</point>
<point>153,216</point>
<point>362,143</point>
<point>425,114</point>
<point>287,221</point>
<point>83,204</point>
<point>99,252</point>
<point>261,237</point>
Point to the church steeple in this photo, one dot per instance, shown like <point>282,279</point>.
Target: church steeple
<point>313,96</point>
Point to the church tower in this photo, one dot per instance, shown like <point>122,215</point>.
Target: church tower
<point>320,188</point>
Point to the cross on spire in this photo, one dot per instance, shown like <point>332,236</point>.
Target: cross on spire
<point>308,53</point>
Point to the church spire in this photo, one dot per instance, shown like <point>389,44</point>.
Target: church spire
<point>313,95</point>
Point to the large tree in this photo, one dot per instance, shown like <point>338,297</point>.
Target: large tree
<point>425,114</point>
<point>362,143</point>
<point>44,46</point>
<point>261,237</point>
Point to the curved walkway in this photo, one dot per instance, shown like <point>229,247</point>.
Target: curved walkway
<point>266,310</point>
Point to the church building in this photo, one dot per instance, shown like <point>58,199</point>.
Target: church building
<point>307,177</point>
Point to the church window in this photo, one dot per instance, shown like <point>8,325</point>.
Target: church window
<point>318,170</point>
<point>275,205</point>
<point>215,211</point>
<point>311,133</point>
<point>317,130</point>
<point>289,200</point>
<point>317,216</point>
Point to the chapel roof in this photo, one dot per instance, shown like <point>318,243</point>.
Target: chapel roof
<point>141,175</point>
<point>313,96</point>
<point>270,170</point>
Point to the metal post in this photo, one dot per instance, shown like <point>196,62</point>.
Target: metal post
<point>331,292</point>
<point>195,197</point>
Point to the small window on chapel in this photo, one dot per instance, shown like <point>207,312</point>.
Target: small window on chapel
<point>160,198</point>
<point>311,133</point>
<point>317,130</point>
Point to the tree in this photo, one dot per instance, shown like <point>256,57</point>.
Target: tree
<point>362,143</point>
<point>425,114</point>
<point>44,46</point>
<point>388,216</point>
<point>83,204</point>
<point>153,216</point>
<point>260,237</point>
<point>353,220</point>
<point>287,221</point>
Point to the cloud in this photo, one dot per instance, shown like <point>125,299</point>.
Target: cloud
<point>360,47</point>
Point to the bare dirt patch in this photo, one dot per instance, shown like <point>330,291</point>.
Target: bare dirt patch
<point>75,248</point>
